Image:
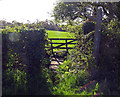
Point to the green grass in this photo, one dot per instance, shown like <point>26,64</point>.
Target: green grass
<point>60,34</point>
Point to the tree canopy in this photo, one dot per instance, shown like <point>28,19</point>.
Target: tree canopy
<point>66,11</point>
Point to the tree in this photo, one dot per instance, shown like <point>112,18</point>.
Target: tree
<point>70,11</point>
<point>66,11</point>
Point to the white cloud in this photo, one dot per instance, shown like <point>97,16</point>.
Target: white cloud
<point>22,10</point>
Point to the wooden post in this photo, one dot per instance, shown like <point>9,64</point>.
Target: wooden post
<point>66,46</point>
<point>97,34</point>
<point>52,47</point>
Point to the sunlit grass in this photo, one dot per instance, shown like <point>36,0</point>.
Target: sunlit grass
<point>60,34</point>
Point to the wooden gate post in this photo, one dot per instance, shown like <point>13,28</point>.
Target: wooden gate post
<point>66,46</point>
<point>52,47</point>
<point>97,34</point>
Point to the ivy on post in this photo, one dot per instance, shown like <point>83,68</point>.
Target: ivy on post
<point>97,34</point>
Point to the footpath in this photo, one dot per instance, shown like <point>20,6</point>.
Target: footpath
<point>57,60</point>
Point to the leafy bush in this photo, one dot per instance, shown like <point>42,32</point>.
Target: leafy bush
<point>88,27</point>
<point>14,77</point>
<point>70,79</point>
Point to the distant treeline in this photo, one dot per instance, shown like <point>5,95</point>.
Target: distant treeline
<point>47,24</point>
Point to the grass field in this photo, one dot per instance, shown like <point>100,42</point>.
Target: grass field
<point>60,34</point>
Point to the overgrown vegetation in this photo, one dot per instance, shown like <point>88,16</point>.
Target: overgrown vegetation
<point>23,57</point>
<point>109,45</point>
<point>78,75</point>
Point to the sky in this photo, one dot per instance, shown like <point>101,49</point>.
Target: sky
<point>23,10</point>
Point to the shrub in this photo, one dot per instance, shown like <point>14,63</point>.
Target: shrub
<point>88,27</point>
